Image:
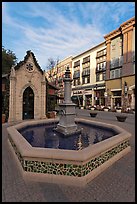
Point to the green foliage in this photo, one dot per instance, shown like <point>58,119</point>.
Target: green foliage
<point>8,60</point>
<point>5,100</point>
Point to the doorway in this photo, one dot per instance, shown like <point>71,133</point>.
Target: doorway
<point>28,104</point>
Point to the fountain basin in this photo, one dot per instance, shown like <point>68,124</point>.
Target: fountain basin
<point>71,167</point>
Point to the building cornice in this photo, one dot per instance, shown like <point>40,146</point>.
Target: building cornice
<point>128,23</point>
<point>112,34</point>
<point>124,26</point>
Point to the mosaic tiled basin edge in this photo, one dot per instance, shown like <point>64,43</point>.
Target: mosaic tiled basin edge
<point>69,167</point>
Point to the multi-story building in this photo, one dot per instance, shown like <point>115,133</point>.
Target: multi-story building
<point>88,73</point>
<point>120,68</point>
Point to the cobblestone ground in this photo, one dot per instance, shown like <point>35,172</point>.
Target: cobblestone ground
<point>116,184</point>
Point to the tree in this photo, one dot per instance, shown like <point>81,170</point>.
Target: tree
<point>8,60</point>
<point>52,63</point>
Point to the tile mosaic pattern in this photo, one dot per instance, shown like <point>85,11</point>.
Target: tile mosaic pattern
<point>68,169</point>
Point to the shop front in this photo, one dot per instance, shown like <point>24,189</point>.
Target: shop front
<point>77,98</point>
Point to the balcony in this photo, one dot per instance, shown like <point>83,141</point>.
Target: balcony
<point>85,60</point>
<point>118,62</point>
<point>86,72</point>
<point>101,53</point>
<point>100,69</point>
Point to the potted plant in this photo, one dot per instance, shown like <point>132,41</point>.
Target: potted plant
<point>106,108</point>
<point>118,109</point>
<point>93,113</point>
<point>121,117</point>
<point>92,108</point>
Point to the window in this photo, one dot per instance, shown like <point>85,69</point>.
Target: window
<point>77,63</point>
<point>97,77</point>
<point>88,79</point>
<point>104,65</point>
<point>115,73</point>
<point>112,74</point>
<point>86,59</point>
<point>103,75</point>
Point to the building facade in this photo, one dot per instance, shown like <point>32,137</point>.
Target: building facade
<point>120,66</point>
<point>88,74</point>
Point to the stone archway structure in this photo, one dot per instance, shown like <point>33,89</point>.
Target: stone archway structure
<point>27,73</point>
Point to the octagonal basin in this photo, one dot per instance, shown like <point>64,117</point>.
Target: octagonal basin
<point>71,166</point>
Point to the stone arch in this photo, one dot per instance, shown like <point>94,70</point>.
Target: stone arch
<point>36,99</point>
<point>28,104</point>
<point>32,87</point>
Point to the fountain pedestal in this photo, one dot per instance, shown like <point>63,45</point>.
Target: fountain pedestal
<point>67,125</point>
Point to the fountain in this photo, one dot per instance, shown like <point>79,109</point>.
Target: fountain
<point>67,125</point>
<point>61,165</point>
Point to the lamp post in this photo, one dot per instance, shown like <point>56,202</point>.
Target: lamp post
<point>125,88</point>
<point>125,95</point>
<point>96,94</point>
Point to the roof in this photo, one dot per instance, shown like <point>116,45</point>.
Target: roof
<point>26,58</point>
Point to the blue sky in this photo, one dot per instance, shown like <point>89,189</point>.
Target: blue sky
<point>59,29</point>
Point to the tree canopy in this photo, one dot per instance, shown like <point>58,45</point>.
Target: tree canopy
<point>8,60</point>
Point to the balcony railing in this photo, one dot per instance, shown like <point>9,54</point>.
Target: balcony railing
<point>86,72</point>
<point>85,60</point>
<point>100,69</point>
<point>116,62</point>
<point>101,53</point>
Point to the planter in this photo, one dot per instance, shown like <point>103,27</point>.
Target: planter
<point>118,110</point>
<point>51,114</point>
<point>3,118</point>
<point>92,108</point>
<point>121,118</point>
<point>93,114</point>
<point>106,109</point>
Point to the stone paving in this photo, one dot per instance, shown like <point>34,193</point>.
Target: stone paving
<point>116,184</point>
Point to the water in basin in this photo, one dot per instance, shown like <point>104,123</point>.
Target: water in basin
<point>44,136</point>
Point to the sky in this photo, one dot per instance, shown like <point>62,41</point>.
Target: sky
<point>58,30</point>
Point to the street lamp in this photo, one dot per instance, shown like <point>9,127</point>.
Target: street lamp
<point>96,94</point>
<point>125,95</point>
<point>125,88</point>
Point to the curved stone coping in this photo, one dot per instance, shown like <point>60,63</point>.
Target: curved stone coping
<point>69,156</point>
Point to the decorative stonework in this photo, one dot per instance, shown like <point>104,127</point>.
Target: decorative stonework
<point>29,67</point>
<point>27,73</point>
<point>68,169</point>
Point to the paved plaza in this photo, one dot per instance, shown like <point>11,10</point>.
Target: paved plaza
<point>116,184</point>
